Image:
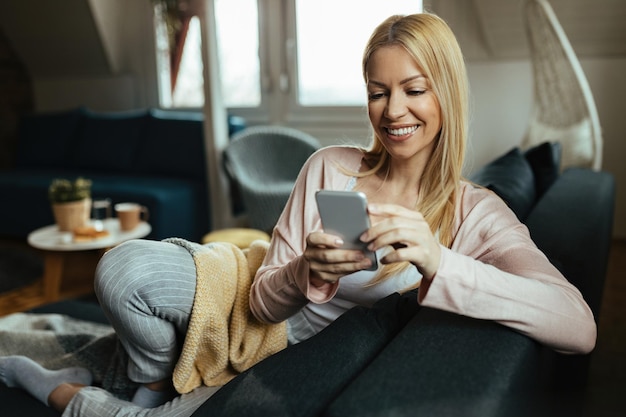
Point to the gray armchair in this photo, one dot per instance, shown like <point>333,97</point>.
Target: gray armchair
<point>263,162</point>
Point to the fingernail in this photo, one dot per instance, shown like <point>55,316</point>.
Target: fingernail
<point>339,242</point>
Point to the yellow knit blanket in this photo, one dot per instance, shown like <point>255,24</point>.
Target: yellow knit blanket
<point>224,338</point>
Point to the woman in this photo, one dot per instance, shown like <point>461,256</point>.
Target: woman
<point>464,248</point>
<point>460,244</point>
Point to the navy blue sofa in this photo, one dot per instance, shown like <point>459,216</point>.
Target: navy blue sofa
<point>152,157</point>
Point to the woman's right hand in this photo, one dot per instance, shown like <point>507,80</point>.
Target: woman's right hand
<point>328,262</point>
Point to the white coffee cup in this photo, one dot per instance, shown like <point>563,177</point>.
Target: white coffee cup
<point>130,214</point>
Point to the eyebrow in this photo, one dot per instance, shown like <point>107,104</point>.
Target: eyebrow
<point>406,80</point>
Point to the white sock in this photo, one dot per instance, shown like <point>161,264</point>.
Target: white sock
<point>22,372</point>
<point>147,398</point>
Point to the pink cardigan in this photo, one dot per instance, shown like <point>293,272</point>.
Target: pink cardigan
<point>493,270</point>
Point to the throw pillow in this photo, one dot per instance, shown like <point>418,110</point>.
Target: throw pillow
<point>511,177</point>
<point>545,161</point>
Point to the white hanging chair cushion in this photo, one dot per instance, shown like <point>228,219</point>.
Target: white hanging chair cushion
<point>578,150</point>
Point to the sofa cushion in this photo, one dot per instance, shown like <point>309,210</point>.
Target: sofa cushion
<point>572,225</point>
<point>436,377</point>
<point>173,203</point>
<point>511,177</point>
<point>545,161</point>
<point>44,139</point>
<point>108,142</point>
<point>297,381</point>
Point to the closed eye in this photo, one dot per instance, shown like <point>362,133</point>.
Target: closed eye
<point>375,96</point>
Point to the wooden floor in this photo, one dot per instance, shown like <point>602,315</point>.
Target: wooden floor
<point>78,280</point>
<point>606,394</point>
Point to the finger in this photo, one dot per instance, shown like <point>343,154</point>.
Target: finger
<point>387,210</point>
<point>413,254</point>
<point>396,231</point>
<point>336,261</point>
<point>336,271</point>
<point>402,219</point>
<point>326,240</point>
<point>333,256</point>
<point>424,257</point>
<point>396,238</point>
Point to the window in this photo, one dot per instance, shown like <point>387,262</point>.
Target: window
<point>179,57</point>
<point>189,90</point>
<point>284,60</point>
<point>330,45</point>
<point>238,42</point>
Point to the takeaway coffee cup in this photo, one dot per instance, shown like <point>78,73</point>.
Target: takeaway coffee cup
<point>130,214</point>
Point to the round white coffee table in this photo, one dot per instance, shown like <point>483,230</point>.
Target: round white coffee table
<point>58,247</point>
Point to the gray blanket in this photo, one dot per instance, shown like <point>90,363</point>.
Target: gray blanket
<point>58,341</point>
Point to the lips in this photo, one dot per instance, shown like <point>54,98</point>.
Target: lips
<point>402,131</point>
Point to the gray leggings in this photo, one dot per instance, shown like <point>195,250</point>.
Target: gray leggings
<point>146,289</point>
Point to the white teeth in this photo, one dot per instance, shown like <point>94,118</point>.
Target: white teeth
<point>402,131</point>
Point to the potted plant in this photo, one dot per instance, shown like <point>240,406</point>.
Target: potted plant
<point>71,202</point>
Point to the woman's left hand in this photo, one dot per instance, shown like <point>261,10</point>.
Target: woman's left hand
<point>408,233</point>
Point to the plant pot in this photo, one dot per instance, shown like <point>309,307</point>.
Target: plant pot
<point>71,215</point>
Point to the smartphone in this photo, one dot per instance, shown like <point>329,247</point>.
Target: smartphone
<point>344,214</point>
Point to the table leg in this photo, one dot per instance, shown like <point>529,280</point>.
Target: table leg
<point>53,272</point>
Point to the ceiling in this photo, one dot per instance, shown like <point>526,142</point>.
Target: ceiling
<point>59,39</point>
<point>495,29</point>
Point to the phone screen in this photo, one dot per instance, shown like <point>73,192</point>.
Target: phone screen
<point>344,214</point>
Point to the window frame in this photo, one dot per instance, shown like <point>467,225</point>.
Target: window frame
<point>279,78</point>
<point>279,104</point>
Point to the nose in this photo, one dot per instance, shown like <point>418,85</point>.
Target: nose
<point>396,106</point>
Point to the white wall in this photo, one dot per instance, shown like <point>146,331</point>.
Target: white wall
<point>127,36</point>
<point>502,96</point>
<point>113,93</point>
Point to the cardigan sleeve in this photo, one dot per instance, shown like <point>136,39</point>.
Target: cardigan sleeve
<point>281,286</point>
<point>494,271</point>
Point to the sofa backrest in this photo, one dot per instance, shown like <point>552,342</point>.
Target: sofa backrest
<point>143,142</point>
<point>109,142</point>
<point>173,145</point>
<point>46,139</point>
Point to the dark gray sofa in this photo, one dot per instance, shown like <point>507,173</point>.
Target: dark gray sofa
<point>437,363</point>
<point>150,156</point>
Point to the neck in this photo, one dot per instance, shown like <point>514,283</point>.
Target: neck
<point>404,174</point>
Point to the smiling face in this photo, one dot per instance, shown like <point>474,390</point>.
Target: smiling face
<point>403,109</point>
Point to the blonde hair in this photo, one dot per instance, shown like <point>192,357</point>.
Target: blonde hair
<point>430,41</point>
